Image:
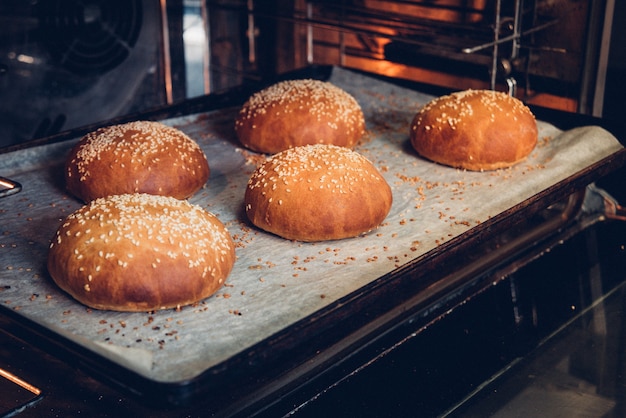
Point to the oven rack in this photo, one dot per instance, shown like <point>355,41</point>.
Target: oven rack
<point>410,30</point>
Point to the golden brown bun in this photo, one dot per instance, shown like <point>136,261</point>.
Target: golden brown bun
<point>316,193</point>
<point>299,112</point>
<point>474,129</point>
<point>136,157</point>
<point>140,252</point>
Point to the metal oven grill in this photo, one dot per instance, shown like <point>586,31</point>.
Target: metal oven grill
<point>540,46</point>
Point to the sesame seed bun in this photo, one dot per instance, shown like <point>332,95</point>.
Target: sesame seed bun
<point>475,130</point>
<point>299,112</point>
<point>136,157</point>
<point>317,193</point>
<point>140,252</point>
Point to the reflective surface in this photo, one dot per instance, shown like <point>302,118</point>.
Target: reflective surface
<point>578,372</point>
<point>547,341</point>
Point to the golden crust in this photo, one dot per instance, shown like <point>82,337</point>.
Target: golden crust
<point>316,193</point>
<point>136,157</point>
<point>299,112</point>
<point>475,130</point>
<point>140,252</point>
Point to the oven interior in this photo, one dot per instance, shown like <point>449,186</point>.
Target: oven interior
<point>549,52</point>
<point>557,54</point>
<point>70,63</point>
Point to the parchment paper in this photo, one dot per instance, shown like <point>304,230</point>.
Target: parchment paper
<point>274,282</point>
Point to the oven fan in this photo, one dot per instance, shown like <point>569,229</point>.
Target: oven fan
<point>71,63</point>
<point>89,37</point>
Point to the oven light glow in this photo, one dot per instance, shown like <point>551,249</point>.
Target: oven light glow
<point>573,307</point>
<point>6,184</point>
<point>19,382</point>
<point>26,59</point>
<point>9,187</point>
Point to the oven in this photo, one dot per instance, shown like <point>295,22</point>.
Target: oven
<point>483,294</point>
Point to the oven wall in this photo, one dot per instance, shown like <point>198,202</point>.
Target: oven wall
<point>555,63</point>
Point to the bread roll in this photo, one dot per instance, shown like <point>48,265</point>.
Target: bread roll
<point>140,252</point>
<point>474,129</point>
<point>136,157</point>
<point>316,193</point>
<point>299,112</point>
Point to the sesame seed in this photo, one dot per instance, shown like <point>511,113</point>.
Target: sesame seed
<point>133,217</point>
<point>133,146</point>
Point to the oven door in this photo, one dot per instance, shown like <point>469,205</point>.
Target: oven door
<point>65,64</point>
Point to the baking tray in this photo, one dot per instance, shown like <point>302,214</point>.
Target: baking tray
<point>288,309</point>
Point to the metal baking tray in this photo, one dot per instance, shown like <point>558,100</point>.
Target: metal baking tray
<point>290,310</point>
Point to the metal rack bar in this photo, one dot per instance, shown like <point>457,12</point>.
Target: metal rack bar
<point>484,37</point>
<point>415,25</point>
<point>364,21</point>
